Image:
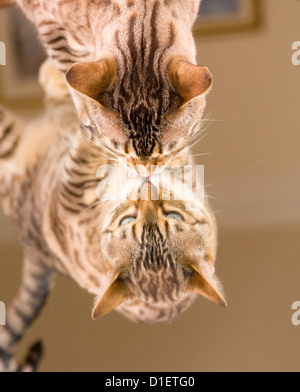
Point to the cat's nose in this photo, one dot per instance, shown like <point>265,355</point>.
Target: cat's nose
<point>148,210</point>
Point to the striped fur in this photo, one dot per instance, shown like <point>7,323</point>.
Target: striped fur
<point>25,308</point>
<point>86,30</point>
<point>9,135</point>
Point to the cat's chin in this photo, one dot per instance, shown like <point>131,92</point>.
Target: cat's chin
<point>141,312</point>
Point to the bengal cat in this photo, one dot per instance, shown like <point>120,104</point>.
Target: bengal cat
<point>134,81</point>
<point>147,259</point>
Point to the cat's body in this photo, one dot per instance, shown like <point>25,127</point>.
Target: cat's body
<point>48,188</point>
<point>87,30</point>
<point>139,97</point>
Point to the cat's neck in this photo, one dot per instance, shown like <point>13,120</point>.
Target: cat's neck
<point>142,32</point>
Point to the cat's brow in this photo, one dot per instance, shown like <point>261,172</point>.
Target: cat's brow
<point>178,204</point>
<point>119,211</point>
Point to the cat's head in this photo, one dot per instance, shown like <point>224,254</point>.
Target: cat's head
<point>146,118</point>
<point>158,253</point>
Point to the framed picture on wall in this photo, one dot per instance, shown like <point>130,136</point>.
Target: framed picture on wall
<point>24,55</point>
<point>217,16</point>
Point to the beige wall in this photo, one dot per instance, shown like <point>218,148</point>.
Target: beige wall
<point>254,166</point>
<point>253,170</point>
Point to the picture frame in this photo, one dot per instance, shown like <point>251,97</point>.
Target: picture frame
<point>24,54</point>
<point>226,16</point>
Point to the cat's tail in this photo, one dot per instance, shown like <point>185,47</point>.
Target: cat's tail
<point>32,296</point>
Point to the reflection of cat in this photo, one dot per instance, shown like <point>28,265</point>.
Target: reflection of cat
<point>148,259</point>
<point>136,85</point>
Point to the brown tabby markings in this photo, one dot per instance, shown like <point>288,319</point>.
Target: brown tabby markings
<point>144,96</point>
<point>155,261</point>
<point>130,3</point>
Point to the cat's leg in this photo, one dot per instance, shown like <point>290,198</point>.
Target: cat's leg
<point>24,310</point>
<point>10,131</point>
<point>10,135</point>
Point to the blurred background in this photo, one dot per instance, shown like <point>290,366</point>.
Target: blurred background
<point>253,176</point>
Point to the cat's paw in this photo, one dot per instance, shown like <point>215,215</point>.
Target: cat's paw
<point>9,133</point>
<point>7,363</point>
<point>33,359</point>
<point>30,365</point>
<point>53,82</point>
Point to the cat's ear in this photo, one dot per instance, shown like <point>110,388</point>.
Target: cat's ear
<point>189,80</point>
<point>199,285</point>
<point>117,293</point>
<point>92,79</point>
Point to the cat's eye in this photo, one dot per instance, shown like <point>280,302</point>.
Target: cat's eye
<point>126,221</point>
<point>174,216</point>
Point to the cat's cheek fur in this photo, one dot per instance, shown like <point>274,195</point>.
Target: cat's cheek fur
<point>183,123</point>
<point>107,124</point>
<point>115,250</point>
